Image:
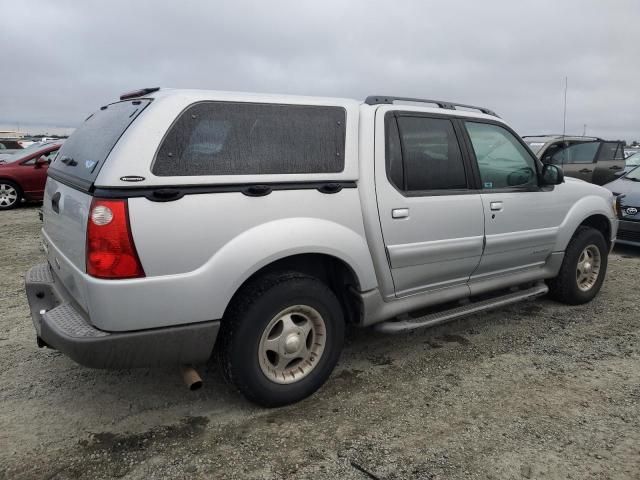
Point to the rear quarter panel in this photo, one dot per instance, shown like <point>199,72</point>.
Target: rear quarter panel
<point>198,251</point>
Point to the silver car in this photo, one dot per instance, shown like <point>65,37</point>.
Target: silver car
<point>179,222</point>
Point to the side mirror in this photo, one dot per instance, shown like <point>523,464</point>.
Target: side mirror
<point>551,174</point>
<point>41,162</point>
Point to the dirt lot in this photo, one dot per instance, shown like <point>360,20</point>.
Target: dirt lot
<point>536,390</point>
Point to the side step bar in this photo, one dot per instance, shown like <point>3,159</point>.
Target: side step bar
<point>429,320</point>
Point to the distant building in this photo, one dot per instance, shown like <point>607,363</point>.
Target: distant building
<point>10,134</point>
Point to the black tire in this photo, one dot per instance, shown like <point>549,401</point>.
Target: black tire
<point>5,203</point>
<point>564,288</point>
<point>255,306</point>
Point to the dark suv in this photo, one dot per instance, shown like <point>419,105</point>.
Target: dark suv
<point>588,158</point>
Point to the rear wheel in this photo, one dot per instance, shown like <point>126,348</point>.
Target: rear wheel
<point>281,338</point>
<point>10,195</point>
<point>583,268</point>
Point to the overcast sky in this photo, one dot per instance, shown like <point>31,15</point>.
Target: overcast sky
<point>63,59</point>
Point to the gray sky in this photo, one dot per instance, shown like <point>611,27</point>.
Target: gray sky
<point>63,59</point>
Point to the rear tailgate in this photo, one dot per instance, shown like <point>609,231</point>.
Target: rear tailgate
<point>65,212</point>
<point>67,197</point>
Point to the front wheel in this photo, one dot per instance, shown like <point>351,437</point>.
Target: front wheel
<point>9,195</point>
<point>281,338</point>
<point>583,268</point>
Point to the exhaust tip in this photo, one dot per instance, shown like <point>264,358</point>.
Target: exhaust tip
<point>191,377</point>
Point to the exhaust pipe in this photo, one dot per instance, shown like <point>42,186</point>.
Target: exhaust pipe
<point>190,377</point>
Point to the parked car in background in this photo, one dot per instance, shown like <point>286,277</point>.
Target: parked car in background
<point>10,145</point>
<point>590,159</point>
<point>319,212</point>
<point>627,188</point>
<point>632,161</point>
<point>23,175</point>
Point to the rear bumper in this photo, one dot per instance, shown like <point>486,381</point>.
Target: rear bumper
<point>628,233</point>
<point>60,324</point>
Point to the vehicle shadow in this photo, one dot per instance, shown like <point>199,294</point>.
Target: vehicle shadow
<point>626,251</point>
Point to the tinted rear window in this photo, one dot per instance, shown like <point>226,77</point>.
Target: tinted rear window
<point>431,156</point>
<point>84,152</point>
<point>218,138</point>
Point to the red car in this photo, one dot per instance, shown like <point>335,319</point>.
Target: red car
<point>23,174</point>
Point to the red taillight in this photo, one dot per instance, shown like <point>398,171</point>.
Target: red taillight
<point>110,249</point>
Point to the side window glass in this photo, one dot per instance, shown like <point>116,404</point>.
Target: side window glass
<point>554,154</point>
<point>579,153</point>
<point>431,155</point>
<point>502,160</point>
<point>226,138</point>
<point>394,153</point>
<point>610,151</point>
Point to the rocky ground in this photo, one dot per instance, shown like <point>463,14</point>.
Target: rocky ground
<point>535,390</point>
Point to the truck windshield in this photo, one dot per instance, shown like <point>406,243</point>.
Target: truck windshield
<point>81,157</point>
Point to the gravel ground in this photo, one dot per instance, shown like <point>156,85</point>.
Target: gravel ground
<point>535,390</point>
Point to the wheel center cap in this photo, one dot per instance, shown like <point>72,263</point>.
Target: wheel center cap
<point>587,267</point>
<point>292,343</point>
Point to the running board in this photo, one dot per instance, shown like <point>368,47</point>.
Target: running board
<point>429,320</point>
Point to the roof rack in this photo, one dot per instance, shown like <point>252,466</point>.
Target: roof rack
<point>559,135</point>
<point>384,99</point>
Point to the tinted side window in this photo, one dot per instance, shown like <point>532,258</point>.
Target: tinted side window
<point>431,156</point>
<point>577,153</point>
<point>553,153</point>
<point>217,138</point>
<point>611,151</point>
<point>502,160</point>
<point>393,153</point>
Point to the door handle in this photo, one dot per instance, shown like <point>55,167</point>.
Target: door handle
<point>586,170</point>
<point>496,206</point>
<point>400,213</point>
<point>615,167</point>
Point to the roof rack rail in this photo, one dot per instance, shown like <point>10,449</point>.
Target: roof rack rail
<point>384,99</point>
<point>561,135</point>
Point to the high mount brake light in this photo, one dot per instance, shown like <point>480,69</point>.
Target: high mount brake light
<point>138,93</point>
<point>111,252</point>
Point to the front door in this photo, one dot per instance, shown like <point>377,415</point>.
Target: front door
<point>432,219</point>
<point>522,220</point>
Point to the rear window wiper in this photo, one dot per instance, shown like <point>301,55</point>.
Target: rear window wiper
<point>69,161</point>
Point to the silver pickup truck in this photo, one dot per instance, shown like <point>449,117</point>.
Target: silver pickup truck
<point>180,222</point>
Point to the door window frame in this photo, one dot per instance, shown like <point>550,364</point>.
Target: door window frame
<point>471,176</point>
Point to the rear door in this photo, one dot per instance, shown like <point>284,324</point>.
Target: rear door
<point>521,219</point>
<point>430,211</point>
<point>578,160</point>
<point>609,161</point>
